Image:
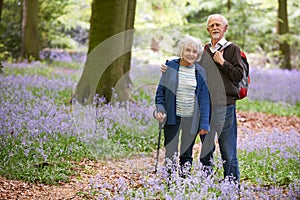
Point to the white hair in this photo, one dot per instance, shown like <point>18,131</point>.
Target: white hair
<point>185,41</point>
<point>225,22</point>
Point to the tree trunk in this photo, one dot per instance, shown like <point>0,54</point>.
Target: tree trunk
<point>108,59</point>
<point>30,36</point>
<point>123,85</point>
<point>283,28</point>
<point>229,5</point>
<point>1,6</point>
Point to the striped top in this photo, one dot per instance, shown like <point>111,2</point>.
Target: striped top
<point>185,96</point>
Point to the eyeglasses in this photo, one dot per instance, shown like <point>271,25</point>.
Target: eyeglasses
<point>213,25</point>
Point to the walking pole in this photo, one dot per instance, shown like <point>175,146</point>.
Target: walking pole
<point>160,127</point>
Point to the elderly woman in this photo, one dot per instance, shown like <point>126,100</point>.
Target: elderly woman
<point>182,101</point>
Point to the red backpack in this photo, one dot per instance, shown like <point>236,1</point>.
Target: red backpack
<point>244,83</point>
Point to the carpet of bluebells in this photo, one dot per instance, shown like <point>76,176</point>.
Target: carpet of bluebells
<point>275,85</point>
<point>42,135</point>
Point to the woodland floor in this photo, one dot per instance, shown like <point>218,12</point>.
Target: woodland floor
<point>131,169</point>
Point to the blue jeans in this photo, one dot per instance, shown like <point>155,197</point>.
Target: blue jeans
<point>224,123</point>
<point>171,135</point>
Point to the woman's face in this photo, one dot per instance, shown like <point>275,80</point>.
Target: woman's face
<point>190,54</point>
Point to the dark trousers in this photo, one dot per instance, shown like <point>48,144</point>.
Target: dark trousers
<point>171,143</point>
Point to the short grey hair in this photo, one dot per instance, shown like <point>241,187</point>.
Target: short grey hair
<point>225,22</point>
<point>186,40</point>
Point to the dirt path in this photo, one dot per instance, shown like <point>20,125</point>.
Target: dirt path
<point>131,169</point>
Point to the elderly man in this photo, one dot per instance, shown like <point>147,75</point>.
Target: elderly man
<point>224,71</point>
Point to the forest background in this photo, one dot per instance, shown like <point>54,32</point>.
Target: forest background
<point>48,139</point>
<point>254,24</point>
<point>267,31</point>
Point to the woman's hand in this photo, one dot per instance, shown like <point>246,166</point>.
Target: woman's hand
<point>160,116</point>
<point>163,68</point>
<point>202,132</point>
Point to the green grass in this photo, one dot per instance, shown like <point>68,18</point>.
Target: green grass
<point>124,143</point>
<point>268,168</point>
<point>60,97</point>
<point>25,162</point>
<point>52,70</point>
<point>34,69</point>
<point>65,65</point>
<point>280,108</point>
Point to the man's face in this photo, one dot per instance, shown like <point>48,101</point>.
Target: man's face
<point>216,28</point>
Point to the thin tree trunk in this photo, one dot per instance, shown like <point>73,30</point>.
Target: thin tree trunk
<point>283,28</point>
<point>122,87</point>
<point>1,6</point>
<point>229,5</point>
<point>30,37</point>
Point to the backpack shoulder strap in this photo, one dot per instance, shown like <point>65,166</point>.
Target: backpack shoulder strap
<point>206,46</point>
<point>225,45</point>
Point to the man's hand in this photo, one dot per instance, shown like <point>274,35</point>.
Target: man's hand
<point>202,132</point>
<point>218,57</point>
<point>163,68</point>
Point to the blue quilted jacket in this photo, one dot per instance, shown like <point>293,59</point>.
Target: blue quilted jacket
<point>165,98</point>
